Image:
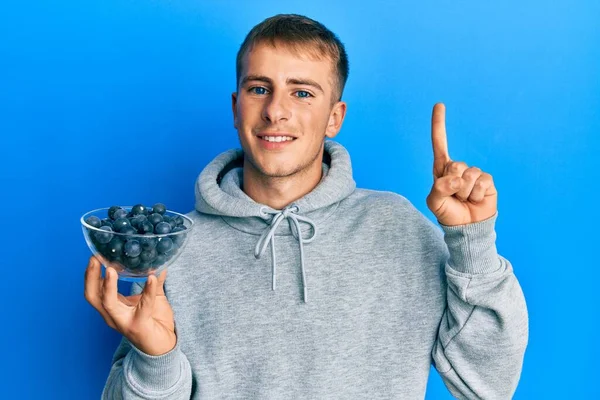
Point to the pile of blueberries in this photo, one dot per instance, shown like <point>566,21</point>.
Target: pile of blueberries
<point>139,254</point>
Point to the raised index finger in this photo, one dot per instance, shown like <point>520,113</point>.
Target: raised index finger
<point>438,139</point>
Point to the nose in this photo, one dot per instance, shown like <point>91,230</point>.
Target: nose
<point>276,108</point>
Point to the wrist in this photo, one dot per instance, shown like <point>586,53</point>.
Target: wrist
<point>154,347</point>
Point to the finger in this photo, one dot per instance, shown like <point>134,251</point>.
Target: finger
<point>439,140</point>
<point>484,185</point>
<point>442,189</point>
<point>92,280</point>
<point>146,304</point>
<point>455,168</point>
<point>110,298</point>
<point>470,176</point>
<point>160,287</point>
<point>93,289</point>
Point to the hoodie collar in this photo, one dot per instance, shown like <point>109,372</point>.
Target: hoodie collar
<point>219,191</point>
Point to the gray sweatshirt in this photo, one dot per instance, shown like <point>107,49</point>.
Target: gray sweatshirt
<point>345,294</point>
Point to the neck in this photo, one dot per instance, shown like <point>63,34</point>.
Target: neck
<point>279,192</point>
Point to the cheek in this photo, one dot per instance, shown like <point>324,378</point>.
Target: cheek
<point>248,113</point>
<point>310,117</point>
<point>319,122</point>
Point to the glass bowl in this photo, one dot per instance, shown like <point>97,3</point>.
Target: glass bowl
<point>132,254</point>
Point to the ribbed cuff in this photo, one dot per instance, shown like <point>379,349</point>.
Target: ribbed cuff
<point>153,373</point>
<point>472,247</point>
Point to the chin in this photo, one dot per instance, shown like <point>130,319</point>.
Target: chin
<point>278,171</point>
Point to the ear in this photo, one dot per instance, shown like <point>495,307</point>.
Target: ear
<point>336,118</point>
<point>234,109</point>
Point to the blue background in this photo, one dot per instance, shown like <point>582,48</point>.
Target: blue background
<point>121,102</point>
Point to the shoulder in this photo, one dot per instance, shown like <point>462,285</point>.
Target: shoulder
<point>382,201</point>
<point>388,208</point>
<point>201,224</point>
<point>381,196</point>
<point>200,217</point>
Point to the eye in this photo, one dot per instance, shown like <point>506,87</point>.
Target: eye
<point>258,90</point>
<point>303,94</point>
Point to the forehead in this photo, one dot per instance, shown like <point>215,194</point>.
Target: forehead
<point>283,60</point>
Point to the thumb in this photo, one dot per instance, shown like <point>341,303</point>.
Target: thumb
<point>443,188</point>
<point>146,304</point>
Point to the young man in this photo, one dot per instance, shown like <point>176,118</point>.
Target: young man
<point>358,294</point>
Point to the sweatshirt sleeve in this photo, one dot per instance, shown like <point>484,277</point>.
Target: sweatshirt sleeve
<point>137,375</point>
<point>484,329</point>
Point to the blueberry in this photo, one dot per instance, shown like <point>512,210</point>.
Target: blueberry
<point>148,242</point>
<point>107,222</point>
<point>146,227</point>
<point>101,248</point>
<point>92,236</point>
<point>132,248</point>
<point>148,255</point>
<point>93,221</point>
<point>159,260</point>
<point>167,218</point>
<point>137,220</point>
<point>139,209</point>
<point>132,262</point>
<point>155,218</point>
<point>128,230</point>
<point>111,212</point>
<point>178,220</point>
<point>164,244</point>
<point>144,266</point>
<point>162,228</point>
<point>178,239</point>
<point>159,208</point>
<point>120,213</point>
<point>104,235</point>
<point>120,223</point>
<point>114,248</point>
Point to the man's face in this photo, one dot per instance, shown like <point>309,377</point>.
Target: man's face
<point>283,110</point>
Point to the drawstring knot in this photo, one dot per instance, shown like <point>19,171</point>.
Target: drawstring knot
<point>268,236</point>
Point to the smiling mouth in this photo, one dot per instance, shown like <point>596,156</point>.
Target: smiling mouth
<point>276,139</point>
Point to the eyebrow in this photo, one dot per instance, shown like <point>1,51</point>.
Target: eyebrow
<point>289,81</point>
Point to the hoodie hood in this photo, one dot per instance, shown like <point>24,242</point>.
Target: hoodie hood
<point>219,192</point>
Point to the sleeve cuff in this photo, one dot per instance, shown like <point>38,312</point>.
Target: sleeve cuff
<point>153,373</point>
<point>472,247</point>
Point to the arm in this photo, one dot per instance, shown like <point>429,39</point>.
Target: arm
<point>484,330</point>
<point>137,375</point>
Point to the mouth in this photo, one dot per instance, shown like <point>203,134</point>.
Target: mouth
<point>276,138</point>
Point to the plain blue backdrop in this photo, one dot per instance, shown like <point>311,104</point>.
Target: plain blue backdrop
<point>121,102</point>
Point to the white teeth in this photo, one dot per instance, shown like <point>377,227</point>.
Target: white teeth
<point>277,138</point>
